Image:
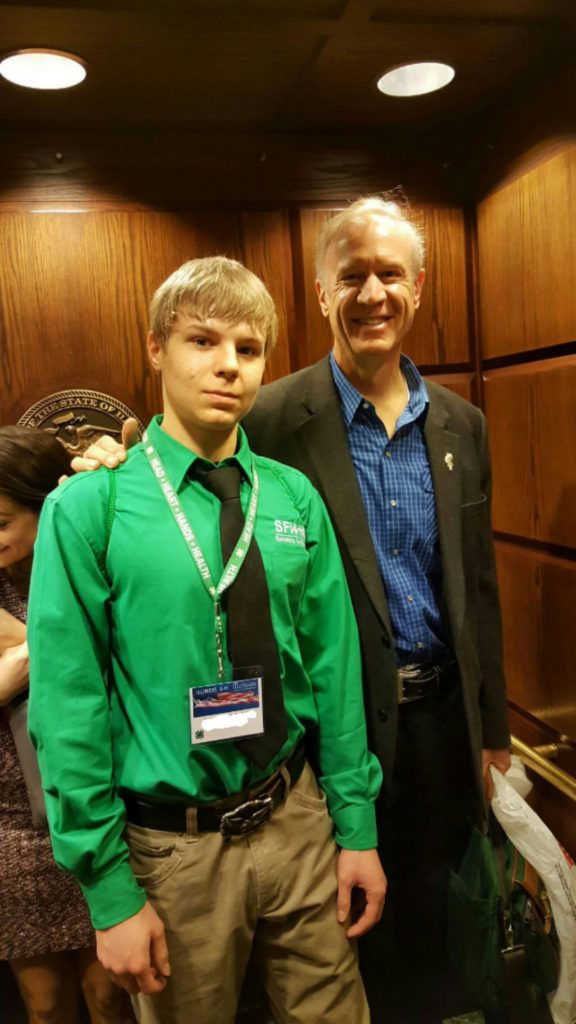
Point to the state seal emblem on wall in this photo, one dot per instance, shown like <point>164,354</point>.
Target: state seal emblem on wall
<point>78,417</point>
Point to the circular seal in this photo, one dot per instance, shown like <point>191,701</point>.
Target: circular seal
<point>78,417</point>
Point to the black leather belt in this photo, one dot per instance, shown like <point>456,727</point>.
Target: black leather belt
<point>233,816</point>
<point>419,679</point>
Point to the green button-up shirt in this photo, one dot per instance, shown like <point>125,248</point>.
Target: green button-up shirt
<point>120,627</point>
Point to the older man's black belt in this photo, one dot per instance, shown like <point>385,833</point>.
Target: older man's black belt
<point>232,816</point>
<point>420,679</point>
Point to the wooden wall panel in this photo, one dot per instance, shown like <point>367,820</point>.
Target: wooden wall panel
<point>441,332</point>
<point>267,251</point>
<point>532,423</point>
<point>73,310</point>
<point>463,384</point>
<point>538,594</point>
<point>527,253</point>
<point>113,166</point>
<point>75,288</point>
<point>314,335</point>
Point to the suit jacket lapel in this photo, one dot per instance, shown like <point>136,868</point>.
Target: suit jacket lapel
<point>323,434</point>
<point>443,452</point>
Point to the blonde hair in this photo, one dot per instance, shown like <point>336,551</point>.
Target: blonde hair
<point>215,286</point>
<point>362,210</point>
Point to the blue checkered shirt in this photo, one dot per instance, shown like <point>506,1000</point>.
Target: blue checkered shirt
<point>396,487</point>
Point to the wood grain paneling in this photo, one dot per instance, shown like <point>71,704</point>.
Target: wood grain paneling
<point>75,288</point>
<point>440,335</point>
<point>112,167</point>
<point>527,252</point>
<point>463,384</point>
<point>314,335</point>
<point>523,132</point>
<point>538,594</point>
<point>532,424</point>
<point>267,251</point>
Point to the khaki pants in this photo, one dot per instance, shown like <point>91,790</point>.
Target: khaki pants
<point>274,889</point>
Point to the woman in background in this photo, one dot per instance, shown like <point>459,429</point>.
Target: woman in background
<point>45,932</point>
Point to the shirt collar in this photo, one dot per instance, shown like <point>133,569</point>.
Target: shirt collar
<point>178,459</point>
<point>352,400</point>
<point>418,400</point>
<point>350,397</point>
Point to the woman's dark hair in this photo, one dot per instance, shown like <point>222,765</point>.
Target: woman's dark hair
<point>31,462</point>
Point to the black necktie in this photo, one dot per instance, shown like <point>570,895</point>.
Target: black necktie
<point>251,639</point>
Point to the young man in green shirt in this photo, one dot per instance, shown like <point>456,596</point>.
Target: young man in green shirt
<point>176,783</point>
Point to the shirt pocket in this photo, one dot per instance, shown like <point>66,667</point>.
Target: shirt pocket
<point>289,565</point>
<point>282,541</point>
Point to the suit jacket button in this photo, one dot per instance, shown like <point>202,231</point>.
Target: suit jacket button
<point>385,641</point>
<point>382,714</point>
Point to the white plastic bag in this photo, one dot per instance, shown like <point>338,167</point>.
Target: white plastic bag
<point>536,843</point>
<point>517,777</point>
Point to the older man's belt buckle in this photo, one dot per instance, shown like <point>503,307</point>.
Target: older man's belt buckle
<point>416,681</point>
<point>246,817</point>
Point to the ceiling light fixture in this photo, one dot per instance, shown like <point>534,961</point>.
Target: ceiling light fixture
<point>43,69</point>
<point>415,79</point>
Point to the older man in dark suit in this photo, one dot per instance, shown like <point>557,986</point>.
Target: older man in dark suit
<point>403,466</point>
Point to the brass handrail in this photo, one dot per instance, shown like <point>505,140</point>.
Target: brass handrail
<point>558,778</point>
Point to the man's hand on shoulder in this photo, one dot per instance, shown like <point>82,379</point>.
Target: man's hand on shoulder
<point>501,760</point>
<point>360,875</point>
<point>106,451</point>
<point>135,953</point>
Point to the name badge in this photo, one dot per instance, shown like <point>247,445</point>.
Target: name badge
<point>226,711</point>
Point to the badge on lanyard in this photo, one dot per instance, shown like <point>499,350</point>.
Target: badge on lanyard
<point>228,710</point>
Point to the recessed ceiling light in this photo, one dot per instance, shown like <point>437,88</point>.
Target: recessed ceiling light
<point>415,79</point>
<point>43,69</point>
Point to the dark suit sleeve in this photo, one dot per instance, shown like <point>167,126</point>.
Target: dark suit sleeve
<point>493,704</point>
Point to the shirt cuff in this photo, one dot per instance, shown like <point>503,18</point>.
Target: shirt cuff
<point>114,898</point>
<point>355,827</point>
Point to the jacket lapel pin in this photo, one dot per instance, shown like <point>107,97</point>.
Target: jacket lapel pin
<point>449,460</point>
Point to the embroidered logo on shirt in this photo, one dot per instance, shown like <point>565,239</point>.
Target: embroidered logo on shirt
<point>449,460</point>
<point>289,533</point>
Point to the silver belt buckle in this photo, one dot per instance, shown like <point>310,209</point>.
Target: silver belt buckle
<point>246,817</point>
<point>411,672</point>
